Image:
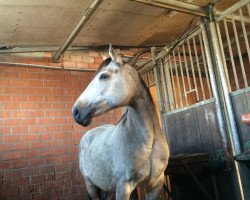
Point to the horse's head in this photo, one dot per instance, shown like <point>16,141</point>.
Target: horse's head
<point>113,86</point>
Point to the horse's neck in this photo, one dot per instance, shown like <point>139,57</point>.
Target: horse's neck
<point>141,119</point>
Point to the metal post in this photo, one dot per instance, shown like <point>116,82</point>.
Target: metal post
<point>218,58</point>
<point>186,66</point>
<point>218,109</point>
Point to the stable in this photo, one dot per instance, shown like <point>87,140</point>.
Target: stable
<point>193,56</point>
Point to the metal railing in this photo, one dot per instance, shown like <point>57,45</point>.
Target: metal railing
<point>183,74</point>
<point>233,28</point>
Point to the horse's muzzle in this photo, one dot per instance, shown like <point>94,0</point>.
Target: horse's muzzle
<point>82,116</point>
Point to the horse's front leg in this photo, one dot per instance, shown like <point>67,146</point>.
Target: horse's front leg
<point>152,193</point>
<point>123,191</point>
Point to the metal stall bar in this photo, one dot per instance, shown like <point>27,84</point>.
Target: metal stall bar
<point>193,73</point>
<point>164,83</point>
<point>178,80</point>
<point>205,67</point>
<point>231,55</point>
<point>239,54</point>
<point>199,70</point>
<point>173,83</point>
<point>186,66</point>
<point>169,87</point>
<point>182,78</point>
<point>244,34</point>
<point>223,58</point>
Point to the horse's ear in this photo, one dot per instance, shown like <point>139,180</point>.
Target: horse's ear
<point>114,56</point>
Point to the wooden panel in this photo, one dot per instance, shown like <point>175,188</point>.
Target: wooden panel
<point>191,136</point>
<point>204,127</point>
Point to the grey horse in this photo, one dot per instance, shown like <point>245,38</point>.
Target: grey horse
<point>132,153</point>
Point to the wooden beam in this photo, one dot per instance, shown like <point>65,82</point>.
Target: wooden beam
<point>84,19</point>
<point>179,6</point>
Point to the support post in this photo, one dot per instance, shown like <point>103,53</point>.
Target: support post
<point>217,102</point>
<point>229,108</point>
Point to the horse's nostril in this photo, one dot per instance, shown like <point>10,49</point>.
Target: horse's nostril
<point>75,111</point>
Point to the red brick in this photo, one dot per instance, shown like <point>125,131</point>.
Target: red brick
<point>20,146</point>
<point>29,154</point>
<point>30,171</point>
<point>12,90</point>
<point>66,127</point>
<point>19,98</point>
<point>82,65</point>
<point>5,82</point>
<point>19,130</point>
<point>62,167</point>
<point>12,155</point>
<point>94,65</point>
<point>19,82</point>
<point>5,165</point>
<point>37,129</point>
<point>61,135</point>
<point>29,121</point>
<point>45,136</point>
<point>36,98</point>
<point>47,169</point>
<point>20,164</point>
<point>11,106</point>
<point>29,137</point>
<point>12,138</point>
<point>12,122</point>
<point>28,90</point>
<point>37,161</point>
<point>98,60</point>
<point>5,147</point>
<point>38,179</point>
<point>35,83</point>
<point>60,121</point>
<point>5,114</point>
<point>4,98</point>
<point>51,84</point>
<point>36,113</point>
<point>19,114</point>
<point>37,145</point>
<point>69,64</point>
<point>5,130</point>
<point>61,151</point>
<point>27,75</point>
<point>54,128</point>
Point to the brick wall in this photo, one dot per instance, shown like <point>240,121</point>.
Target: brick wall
<point>38,136</point>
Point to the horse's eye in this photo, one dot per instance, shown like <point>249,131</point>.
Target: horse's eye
<point>104,76</point>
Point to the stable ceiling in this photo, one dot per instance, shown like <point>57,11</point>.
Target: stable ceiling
<point>46,23</point>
